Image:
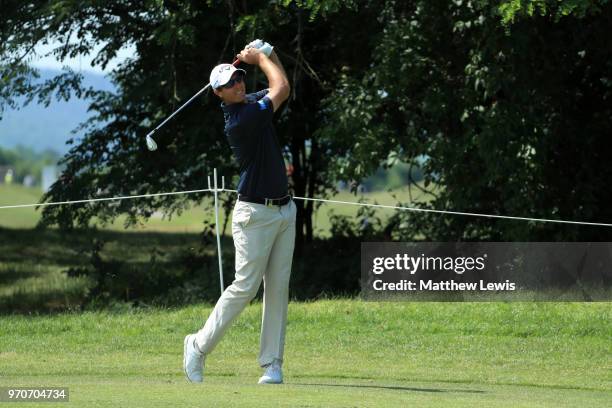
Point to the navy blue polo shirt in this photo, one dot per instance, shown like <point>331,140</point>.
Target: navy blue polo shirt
<point>249,131</point>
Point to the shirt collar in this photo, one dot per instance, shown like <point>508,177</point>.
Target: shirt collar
<point>230,108</point>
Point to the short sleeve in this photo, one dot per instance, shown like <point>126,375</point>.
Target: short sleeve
<point>255,96</point>
<point>254,115</point>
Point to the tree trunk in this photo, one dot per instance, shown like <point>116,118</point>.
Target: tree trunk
<point>299,189</point>
<point>312,183</point>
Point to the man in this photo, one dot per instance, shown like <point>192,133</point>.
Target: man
<point>263,221</point>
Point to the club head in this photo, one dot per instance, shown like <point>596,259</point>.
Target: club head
<point>151,145</point>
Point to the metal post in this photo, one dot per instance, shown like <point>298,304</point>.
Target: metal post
<point>217,229</point>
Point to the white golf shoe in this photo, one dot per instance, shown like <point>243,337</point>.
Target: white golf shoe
<point>193,360</point>
<point>273,374</point>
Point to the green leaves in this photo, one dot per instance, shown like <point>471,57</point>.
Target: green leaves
<point>512,10</point>
<point>322,8</point>
<point>505,104</point>
<point>499,103</point>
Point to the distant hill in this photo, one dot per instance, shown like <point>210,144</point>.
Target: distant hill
<point>43,128</point>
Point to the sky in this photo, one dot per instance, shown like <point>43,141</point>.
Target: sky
<point>39,127</point>
<point>82,63</point>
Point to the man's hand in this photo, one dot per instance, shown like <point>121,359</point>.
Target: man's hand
<point>251,56</point>
<point>271,67</point>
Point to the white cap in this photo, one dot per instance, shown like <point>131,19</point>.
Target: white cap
<point>222,73</point>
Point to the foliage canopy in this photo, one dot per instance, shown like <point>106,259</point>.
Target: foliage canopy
<point>506,104</point>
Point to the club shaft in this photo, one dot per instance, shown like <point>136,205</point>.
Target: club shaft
<point>235,63</point>
<point>179,109</point>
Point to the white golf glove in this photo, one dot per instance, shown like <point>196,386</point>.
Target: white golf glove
<point>261,45</point>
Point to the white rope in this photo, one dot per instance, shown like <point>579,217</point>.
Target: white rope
<point>392,207</point>
<point>93,200</point>
<point>455,212</point>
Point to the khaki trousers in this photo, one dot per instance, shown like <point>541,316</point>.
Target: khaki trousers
<point>264,238</point>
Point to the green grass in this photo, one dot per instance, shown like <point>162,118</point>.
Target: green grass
<point>18,217</point>
<point>338,353</point>
<point>189,221</point>
<point>31,287</point>
<point>34,263</point>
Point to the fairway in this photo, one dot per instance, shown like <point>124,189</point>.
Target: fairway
<point>339,353</point>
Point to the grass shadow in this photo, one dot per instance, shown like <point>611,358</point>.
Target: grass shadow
<point>391,387</point>
<point>10,275</point>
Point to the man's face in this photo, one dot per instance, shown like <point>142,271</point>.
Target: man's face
<point>233,91</point>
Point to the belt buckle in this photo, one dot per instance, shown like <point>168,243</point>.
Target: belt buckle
<point>268,202</point>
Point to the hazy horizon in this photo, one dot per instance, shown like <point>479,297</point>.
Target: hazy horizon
<point>80,63</point>
<point>39,128</point>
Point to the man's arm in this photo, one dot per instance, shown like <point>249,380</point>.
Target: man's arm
<point>274,71</point>
<point>276,60</point>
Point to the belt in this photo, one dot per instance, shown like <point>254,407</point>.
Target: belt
<point>268,202</point>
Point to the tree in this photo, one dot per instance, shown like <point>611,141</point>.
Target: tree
<point>512,118</point>
<point>177,43</point>
<point>505,104</point>
<point>26,162</point>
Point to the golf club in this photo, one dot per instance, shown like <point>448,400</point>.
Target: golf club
<point>151,145</point>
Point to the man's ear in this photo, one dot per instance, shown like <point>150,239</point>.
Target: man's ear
<point>217,92</point>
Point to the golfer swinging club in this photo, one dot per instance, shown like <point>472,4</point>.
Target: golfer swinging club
<point>263,221</point>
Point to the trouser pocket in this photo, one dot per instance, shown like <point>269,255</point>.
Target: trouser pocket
<point>242,215</point>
